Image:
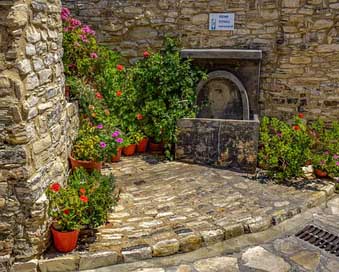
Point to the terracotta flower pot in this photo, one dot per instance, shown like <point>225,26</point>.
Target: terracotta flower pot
<point>88,165</point>
<point>67,92</point>
<point>142,145</point>
<point>116,158</point>
<point>65,241</point>
<point>156,147</point>
<point>320,173</point>
<point>129,150</point>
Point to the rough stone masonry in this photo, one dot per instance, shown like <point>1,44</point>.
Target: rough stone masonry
<point>36,123</point>
<point>299,38</point>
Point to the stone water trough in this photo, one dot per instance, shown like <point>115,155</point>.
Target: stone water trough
<point>226,131</point>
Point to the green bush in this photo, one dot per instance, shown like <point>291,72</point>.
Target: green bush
<point>283,149</point>
<point>99,190</point>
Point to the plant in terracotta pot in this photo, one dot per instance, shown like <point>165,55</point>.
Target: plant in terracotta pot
<point>326,164</point>
<point>119,143</point>
<point>129,146</point>
<point>66,207</point>
<point>90,148</point>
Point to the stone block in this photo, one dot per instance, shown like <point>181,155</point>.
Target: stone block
<point>42,144</point>
<point>98,259</point>
<point>166,247</point>
<point>136,253</point>
<point>30,266</point>
<point>65,263</point>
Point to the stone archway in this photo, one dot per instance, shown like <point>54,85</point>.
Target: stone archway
<point>226,95</point>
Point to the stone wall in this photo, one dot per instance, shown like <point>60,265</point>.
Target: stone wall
<point>300,40</point>
<point>36,122</point>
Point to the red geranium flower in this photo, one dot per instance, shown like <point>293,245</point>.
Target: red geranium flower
<point>146,54</point>
<point>98,95</point>
<point>84,198</point>
<point>120,67</point>
<point>55,187</point>
<point>119,93</point>
<point>301,115</point>
<point>66,212</point>
<point>139,116</point>
<point>296,127</point>
<point>82,191</point>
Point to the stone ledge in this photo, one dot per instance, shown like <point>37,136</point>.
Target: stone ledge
<point>241,54</point>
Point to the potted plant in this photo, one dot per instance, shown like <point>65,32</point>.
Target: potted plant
<point>90,148</point>
<point>66,207</point>
<point>119,141</point>
<point>129,146</point>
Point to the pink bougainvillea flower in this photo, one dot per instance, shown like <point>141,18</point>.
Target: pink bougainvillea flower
<point>98,95</point>
<point>55,187</point>
<point>75,22</point>
<point>84,198</point>
<point>103,144</point>
<point>94,55</point>
<point>296,127</point>
<point>120,67</point>
<point>119,93</point>
<point>119,140</point>
<point>146,54</point>
<point>100,126</point>
<point>335,156</point>
<point>326,152</point>
<point>65,13</point>
<point>139,116</point>
<point>115,134</point>
<point>301,115</point>
<point>337,163</point>
<point>83,37</point>
<point>88,30</point>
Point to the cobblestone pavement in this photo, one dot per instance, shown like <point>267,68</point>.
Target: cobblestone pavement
<point>170,207</point>
<point>274,250</point>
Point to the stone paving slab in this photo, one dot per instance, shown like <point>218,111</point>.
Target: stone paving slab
<point>171,207</point>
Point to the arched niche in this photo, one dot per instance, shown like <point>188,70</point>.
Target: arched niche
<point>222,96</point>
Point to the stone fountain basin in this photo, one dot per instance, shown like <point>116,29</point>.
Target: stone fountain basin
<point>221,143</point>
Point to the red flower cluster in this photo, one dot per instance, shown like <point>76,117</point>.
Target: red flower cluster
<point>139,116</point>
<point>84,198</point>
<point>120,67</point>
<point>55,187</point>
<point>301,115</point>
<point>119,93</point>
<point>82,191</point>
<point>66,212</point>
<point>98,95</point>
<point>296,127</point>
<point>146,54</point>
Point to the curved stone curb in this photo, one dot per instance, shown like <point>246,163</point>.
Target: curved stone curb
<point>186,240</point>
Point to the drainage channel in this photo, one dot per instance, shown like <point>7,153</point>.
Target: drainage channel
<point>320,238</point>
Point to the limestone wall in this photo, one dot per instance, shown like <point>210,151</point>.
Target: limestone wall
<point>300,40</point>
<point>36,123</point>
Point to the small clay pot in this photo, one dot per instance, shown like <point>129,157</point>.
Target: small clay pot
<point>320,173</point>
<point>156,147</point>
<point>142,145</point>
<point>65,241</point>
<point>88,165</point>
<point>116,158</point>
<point>129,150</point>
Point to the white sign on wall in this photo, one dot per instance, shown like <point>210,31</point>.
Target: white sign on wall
<point>221,21</point>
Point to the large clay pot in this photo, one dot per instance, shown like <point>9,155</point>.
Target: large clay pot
<point>142,145</point>
<point>88,165</point>
<point>65,241</point>
<point>129,150</point>
<point>156,147</point>
<point>116,158</point>
<point>320,173</point>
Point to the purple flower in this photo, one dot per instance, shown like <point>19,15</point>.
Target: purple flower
<point>337,163</point>
<point>65,14</point>
<point>100,126</point>
<point>279,134</point>
<point>87,30</point>
<point>335,156</point>
<point>119,140</point>
<point>103,144</point>
<point>115,134</point>
<point>327,152</point>
<point>94,55</point>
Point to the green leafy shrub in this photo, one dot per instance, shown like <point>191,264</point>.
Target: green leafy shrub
<point>100,192</point>
<point>283,149</point>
